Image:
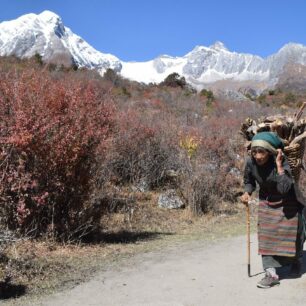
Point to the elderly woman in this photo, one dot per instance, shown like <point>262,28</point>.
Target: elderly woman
<point>280,225</point>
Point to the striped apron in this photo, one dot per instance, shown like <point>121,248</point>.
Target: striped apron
<point>277,228</point>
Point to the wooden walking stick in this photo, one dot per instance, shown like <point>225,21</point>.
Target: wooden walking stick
<point>248,238</point>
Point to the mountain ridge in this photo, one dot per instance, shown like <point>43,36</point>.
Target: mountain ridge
<point>202,67</point>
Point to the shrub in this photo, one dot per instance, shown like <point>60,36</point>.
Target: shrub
<point>211,179</point>
<point>208,94</point>
<point>111,76</point>
<point>190,144</point>
<point>38,59</point>
<point>271,92</point>
<point>174,80</point>
<point>51,131</point>
<point>143,150</point>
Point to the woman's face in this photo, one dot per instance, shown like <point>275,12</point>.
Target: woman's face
<point>260,155</point>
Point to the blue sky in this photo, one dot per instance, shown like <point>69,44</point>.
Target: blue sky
<point>139,30</point>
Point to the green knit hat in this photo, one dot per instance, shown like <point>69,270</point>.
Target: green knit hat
<point>267,140</point>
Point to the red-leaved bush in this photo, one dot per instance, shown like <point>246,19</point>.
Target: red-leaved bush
<point>50,134</point>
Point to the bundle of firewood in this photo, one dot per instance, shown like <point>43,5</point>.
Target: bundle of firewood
<point>292,131</point>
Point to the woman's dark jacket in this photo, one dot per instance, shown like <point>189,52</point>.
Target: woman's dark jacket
<point>272,186</point>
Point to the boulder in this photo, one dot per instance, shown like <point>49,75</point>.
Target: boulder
<point>170,200</point>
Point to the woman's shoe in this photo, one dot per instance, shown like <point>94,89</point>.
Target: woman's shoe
<point>268,282</point>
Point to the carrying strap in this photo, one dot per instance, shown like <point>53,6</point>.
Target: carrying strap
<point>304,226</point>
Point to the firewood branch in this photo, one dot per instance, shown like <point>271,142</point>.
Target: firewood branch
<point>298,139</point>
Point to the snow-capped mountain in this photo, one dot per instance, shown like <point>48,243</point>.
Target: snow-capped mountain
<point>46,35</point>
<point>204,67</point>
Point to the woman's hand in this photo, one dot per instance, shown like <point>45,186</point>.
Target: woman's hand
<point>279,161</point>
<point>245,198</point>
<point>279,157</point>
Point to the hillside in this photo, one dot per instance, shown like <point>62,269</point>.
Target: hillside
<point>85,159</point>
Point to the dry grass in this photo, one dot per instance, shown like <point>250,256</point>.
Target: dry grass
<point>41,267</point>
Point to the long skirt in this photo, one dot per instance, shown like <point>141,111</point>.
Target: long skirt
<point>271,261</point>
<point>277,228</point>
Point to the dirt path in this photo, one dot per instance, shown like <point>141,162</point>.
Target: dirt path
<point>195,273</point>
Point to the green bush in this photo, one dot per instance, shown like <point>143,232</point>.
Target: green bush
<point>271,92</point>
<point>174,80</point>
<point>207,93</point>
<point>38,59</point>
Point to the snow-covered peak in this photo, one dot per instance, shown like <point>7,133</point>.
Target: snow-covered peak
<point>32,20</point>
<point>197,50</point>
<point>218,46</point>
<point>203,65</point>
<point>49,17</point>
<point>291,53</point>
<point>292,46</point>
<point>52,22</point>
<point>46,35</point>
